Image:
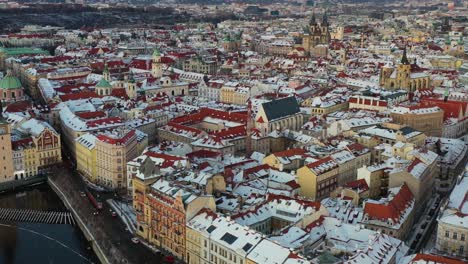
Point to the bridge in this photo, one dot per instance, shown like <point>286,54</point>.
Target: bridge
<point>16,184</point>
<point>36,216</point>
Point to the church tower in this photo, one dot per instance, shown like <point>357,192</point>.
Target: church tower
<point>106,73</point>
<point>403,72</point>
<point>131,87</point>
<point>156,69</point>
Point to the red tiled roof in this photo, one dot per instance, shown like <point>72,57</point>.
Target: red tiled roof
<point>91,115</point>
<point>203,154</point>
<point>169,160</point>
<point>104,121</point>
<point>16,107</point>
<point>451,108</point>
<point>358,184</point>
<point>233,132</point>
<point>393,209</point>
<point>21,143</point>
<point>290,152</point>
<point>436,259</point>
<point>80,95</point>
<point>120,93</point>
<point>114,141</point>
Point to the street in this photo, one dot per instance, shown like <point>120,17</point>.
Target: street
<point>108,230</point>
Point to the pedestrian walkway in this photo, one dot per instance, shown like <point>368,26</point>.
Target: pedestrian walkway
<point>35,216</point>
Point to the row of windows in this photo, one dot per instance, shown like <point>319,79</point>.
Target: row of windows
<point>455,235</point>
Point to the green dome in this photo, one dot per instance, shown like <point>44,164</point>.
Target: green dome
<point>103,83</point>
<point>156,53</point>
<point>10,82</point>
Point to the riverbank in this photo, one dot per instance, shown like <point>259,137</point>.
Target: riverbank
<point>36,242</point>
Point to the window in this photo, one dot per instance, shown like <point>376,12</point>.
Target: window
<point>447,234</point>
<point>462,237</point>
<point>455,235</point>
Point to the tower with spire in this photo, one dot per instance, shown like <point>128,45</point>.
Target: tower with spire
<point>131,86</point>
<point>156,67</point>
<point>106,73</point>
<point>401,77</point>
<point>316,34</point>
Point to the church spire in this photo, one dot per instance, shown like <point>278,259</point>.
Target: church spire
<point>325,19</point>
<point>404,58</point>
<point>313,20</point>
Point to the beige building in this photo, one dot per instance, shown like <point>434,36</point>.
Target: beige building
<point>113,150</point>
<point>318,179</point>
<point>419,174</point>
<point>197,64</point>
<point>392,215</point>
<point>428,120</point>
<point>6,155</point>
<point>390,133</point>
<point>452,227</point>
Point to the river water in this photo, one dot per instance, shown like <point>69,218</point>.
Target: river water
<point>40,243</point>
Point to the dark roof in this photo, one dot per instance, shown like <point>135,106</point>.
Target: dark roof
<point>407,130</point>
<point>281,108</point>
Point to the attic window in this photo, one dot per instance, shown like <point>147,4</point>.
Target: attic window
<point>211,229</point>
<point>246,247</point>
<point>228,238</point>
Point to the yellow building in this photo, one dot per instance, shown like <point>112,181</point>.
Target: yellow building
<point>235,94</point>
<point>318,179</point>
<point>290,159</point>
<point>86,156</point>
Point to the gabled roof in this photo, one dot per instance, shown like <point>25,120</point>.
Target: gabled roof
<point>280,108</point>
<point>394,209</point>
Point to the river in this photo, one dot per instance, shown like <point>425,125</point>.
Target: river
<point>40,243</point>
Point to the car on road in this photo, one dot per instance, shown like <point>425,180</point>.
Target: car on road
<point>114,214</point>
<point>423,226</point>
<point>135,240</point>
<point>418,236</point>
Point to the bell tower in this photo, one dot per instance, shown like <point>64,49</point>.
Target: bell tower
<point>156,69</point>
<point>403,72</point>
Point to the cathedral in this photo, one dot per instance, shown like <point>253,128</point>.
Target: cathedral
<point>316,38</point>
<point>405,76</point>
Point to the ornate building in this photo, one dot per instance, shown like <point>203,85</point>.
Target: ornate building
<point>405,76</point>
<point>316,34</point>
<point>11,89</point>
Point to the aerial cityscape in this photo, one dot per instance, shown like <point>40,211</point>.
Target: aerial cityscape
<point>234,131</point>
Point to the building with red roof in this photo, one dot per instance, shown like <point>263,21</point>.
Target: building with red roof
<point>113,150</point>
<point>392,215</point>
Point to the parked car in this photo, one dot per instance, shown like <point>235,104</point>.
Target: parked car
<point>135,240</point>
